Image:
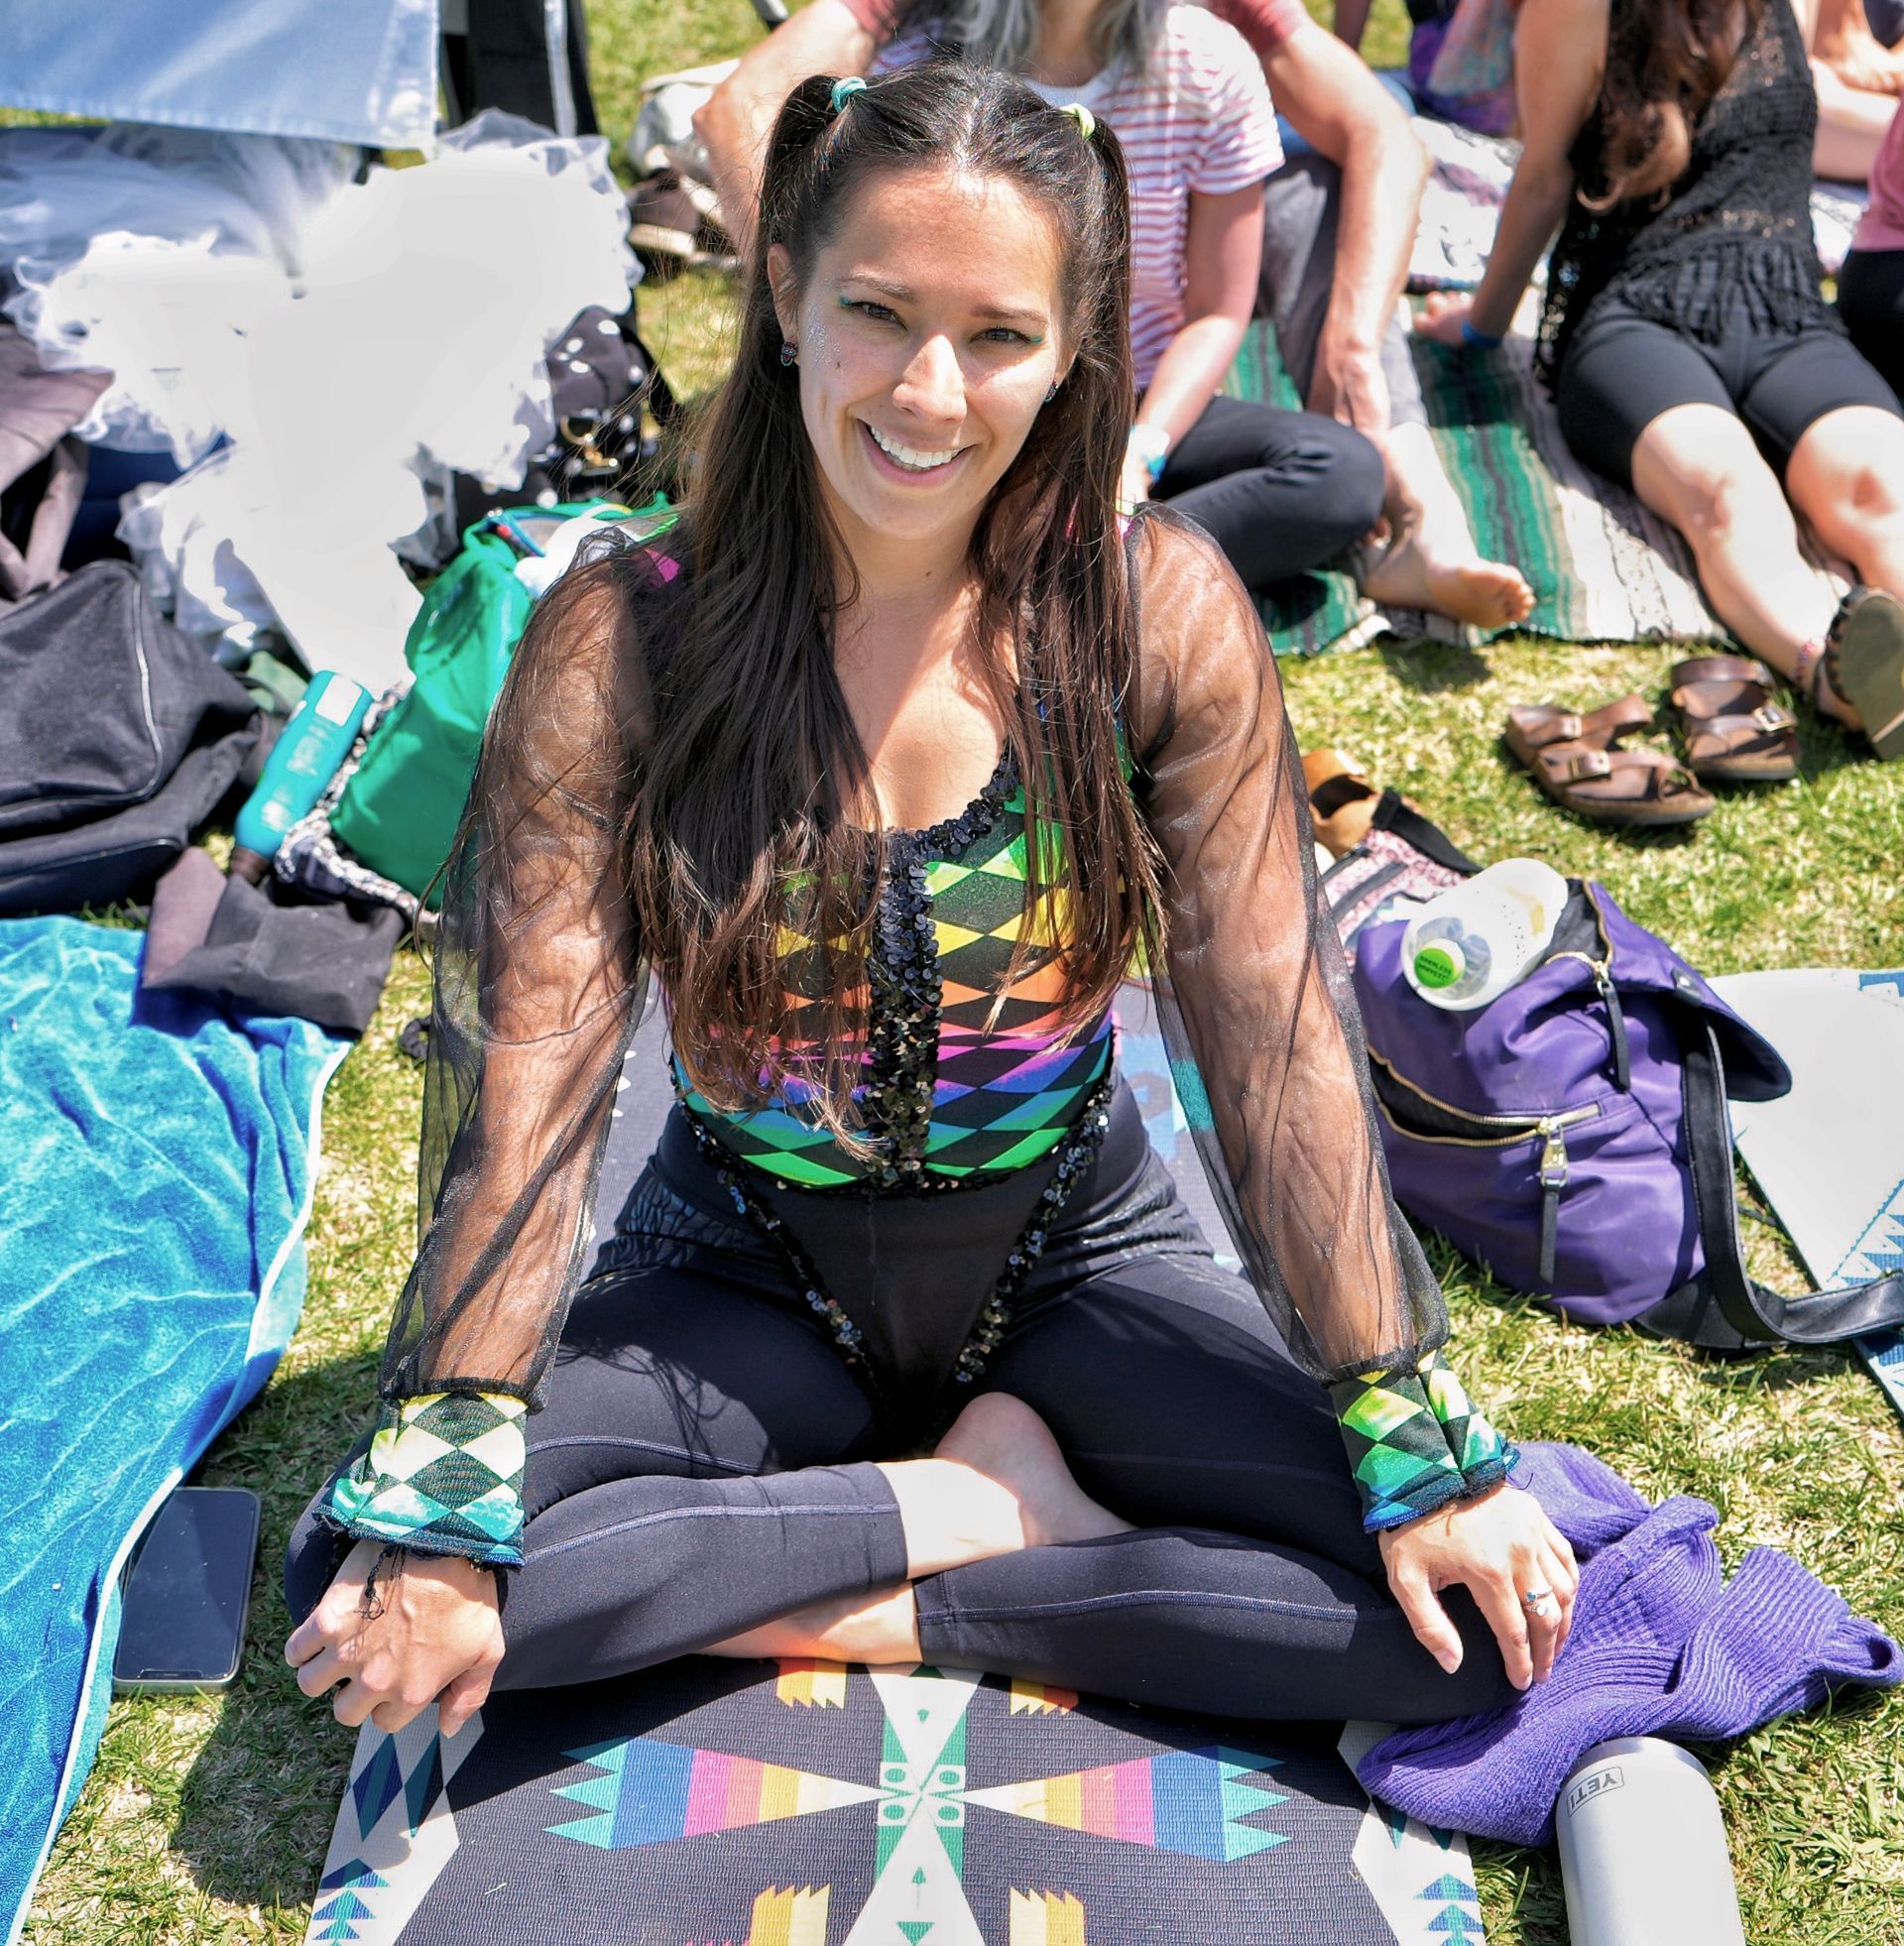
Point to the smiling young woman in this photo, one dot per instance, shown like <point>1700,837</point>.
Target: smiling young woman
<point>887,764</point>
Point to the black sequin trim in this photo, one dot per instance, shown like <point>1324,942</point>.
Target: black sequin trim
<point>903,1041</point>
<point>847,1335</point>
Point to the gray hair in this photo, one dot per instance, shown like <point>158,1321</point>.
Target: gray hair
<point>1002,33</point>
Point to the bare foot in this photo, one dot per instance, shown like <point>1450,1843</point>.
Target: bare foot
<point>1487,594</point>
<point>1003,1441</point>
<point>880,1630</point>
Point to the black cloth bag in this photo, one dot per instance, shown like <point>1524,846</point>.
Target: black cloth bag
<point>118,737</point>
<point>268,949</point>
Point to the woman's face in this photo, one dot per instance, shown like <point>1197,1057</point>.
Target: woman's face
<point>929,332</point>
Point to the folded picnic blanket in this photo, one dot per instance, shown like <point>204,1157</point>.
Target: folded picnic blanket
<point>160,1157</point>
<point>1662,1645</point>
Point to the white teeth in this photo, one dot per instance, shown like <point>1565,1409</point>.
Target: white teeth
<point>911,457</point>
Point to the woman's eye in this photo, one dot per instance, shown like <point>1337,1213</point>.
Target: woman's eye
<point>1004,335</point>
<point>868,308</point>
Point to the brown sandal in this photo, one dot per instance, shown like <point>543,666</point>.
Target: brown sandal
<point>1576,760</point>
<point>1342,801</point>
<point>1731,728</point>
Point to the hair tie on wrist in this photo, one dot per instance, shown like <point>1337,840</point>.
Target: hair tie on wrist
<point>1476,339</point>
<point>1079,113</point>
<point>844,89</point>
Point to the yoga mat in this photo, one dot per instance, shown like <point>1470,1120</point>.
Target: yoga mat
<point>1829,1156</point>
<point>811,1804</point>
<point>159,1162</point>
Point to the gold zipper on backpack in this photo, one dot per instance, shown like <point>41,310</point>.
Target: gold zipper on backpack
<point>1525,1127</point>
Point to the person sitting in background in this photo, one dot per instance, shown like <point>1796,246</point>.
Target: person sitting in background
<point>1489,112</point>
<point>1339,222</point>
<point>1692,355</point>
<point>1871,286</point>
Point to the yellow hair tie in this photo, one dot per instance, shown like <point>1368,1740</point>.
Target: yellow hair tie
<point>1079,113</point>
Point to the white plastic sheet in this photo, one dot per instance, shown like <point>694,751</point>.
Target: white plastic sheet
<point>349,343</point>
<point>345,70</point>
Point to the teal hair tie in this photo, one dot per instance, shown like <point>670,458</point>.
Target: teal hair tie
<point>844,89</point>
<point>1079,113</point>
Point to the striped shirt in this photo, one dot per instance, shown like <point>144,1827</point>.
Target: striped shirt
<point>1197,120</point>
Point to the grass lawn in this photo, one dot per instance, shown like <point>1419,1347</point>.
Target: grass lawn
<point>205,1818</point>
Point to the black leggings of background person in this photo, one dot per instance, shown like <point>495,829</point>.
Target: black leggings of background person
<point>1279,492</point>
<point>519,56</point>
<point>1871,300</point>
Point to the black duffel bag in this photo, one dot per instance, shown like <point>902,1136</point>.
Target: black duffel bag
<point>119,736</point>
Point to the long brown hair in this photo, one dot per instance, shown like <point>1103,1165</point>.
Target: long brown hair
<point>754,810</point>
<point>1665,61</point>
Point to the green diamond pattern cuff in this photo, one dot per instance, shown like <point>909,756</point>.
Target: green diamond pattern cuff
<point>1415,1440</point>
<point>1483,1455</point>
<point>443,1476</point>
<point>1396,1448</point>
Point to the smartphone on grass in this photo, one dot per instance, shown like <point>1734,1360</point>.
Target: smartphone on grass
<point>188,1592</point>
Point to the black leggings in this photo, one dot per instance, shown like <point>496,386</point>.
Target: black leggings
<point>1279,492</point>
<point>1871,300</point>
<point>704,1461</point>
<point>1623,371</point>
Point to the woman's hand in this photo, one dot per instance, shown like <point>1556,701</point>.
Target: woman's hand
<point>1442,315</point>
<point>1134,488</point>
<point>439,1632</point>
<point>1500,1546</point>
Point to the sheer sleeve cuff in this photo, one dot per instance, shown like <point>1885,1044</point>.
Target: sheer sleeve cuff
<point>443,1476</point>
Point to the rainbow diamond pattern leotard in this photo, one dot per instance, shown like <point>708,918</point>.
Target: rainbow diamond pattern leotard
<point>951,1094</point>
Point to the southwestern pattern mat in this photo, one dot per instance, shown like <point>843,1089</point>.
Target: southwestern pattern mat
<point>712,1803</point>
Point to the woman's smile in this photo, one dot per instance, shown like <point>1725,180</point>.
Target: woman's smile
<point>911,463</point>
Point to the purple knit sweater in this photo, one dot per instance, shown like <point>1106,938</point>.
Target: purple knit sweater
<point>1662,1645</point>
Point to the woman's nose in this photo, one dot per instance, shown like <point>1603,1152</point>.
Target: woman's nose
<point>933,386</point>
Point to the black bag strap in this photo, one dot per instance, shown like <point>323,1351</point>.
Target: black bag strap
<point>1726,1309</point>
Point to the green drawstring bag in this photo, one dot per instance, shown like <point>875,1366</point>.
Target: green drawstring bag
<point>399,810</point>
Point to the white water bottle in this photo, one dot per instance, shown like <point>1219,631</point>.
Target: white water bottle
<point>1643,1850</point>
<point>1472,943</point>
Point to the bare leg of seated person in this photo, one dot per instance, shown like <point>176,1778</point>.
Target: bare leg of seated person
<point>1431,560</point>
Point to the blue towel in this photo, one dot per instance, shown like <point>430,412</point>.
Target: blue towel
<point>157,1177</point>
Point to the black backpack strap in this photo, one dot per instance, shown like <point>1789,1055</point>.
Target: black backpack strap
<point>1724,1308</point>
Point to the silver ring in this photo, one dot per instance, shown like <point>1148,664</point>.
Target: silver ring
<point>1536,1599</point>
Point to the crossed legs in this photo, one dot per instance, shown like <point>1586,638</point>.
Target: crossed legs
<point>700,1479</point>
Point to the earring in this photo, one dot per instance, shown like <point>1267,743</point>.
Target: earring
<point>789,352</point>
<point>1050,391</point>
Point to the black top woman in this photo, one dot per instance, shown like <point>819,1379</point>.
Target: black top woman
<point>889,762</point>
<point>1691,353</point>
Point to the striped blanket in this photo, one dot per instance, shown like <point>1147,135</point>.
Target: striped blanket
<point>1603,568</point>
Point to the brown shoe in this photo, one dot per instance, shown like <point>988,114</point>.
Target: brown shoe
<point>1576,760</point>
<point>1732,729</point>
<point>1342,801</point>
<point>1865,664</point>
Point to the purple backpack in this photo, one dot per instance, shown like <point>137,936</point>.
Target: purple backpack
<point>1572,1135</point>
